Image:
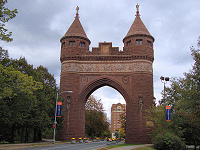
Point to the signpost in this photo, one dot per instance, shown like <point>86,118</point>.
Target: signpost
<point>57,113</point>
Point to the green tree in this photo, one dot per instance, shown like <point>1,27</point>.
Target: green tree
<point>184,98</point>
<point>94,104</point>
<point>5,15</point>
<point>3,54</point>
<point>13,82</point>
<point>41,112</point>
<point>156,116</point>
<point>46,103</point>
<point>119,133</point>
<point>96,124</point>
<point>44,111</point>
<point>16,100</point>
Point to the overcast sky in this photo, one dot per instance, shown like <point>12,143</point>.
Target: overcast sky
<point>40,24</point>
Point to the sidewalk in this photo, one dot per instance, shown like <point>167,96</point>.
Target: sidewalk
<point>50,142</point>
<point>28,145</point>
<point>131,147</point>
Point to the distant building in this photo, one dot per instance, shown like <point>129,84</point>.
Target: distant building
<point>116,111</point>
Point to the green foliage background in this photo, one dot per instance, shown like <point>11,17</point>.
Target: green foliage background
<point>184,98</point>
<point>96,124</point>
<point>27,100</point>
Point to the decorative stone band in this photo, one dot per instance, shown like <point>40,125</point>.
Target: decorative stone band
<point>107,67</point>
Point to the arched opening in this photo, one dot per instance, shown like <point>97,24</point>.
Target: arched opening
<point>110,86</point>
<point>109,96</point>
<point>101,82</point>
<point>114,112</point>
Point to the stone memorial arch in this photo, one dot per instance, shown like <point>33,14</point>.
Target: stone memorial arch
<point>129,71</point>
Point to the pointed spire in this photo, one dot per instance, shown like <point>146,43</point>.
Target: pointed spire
<point>76,29</point>
<point>137,12</point>
<point>138,27</point>
<point>77,9</point>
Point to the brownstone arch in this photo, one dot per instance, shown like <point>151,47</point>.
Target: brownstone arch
<point>130,72</point>
<point>100,82</point>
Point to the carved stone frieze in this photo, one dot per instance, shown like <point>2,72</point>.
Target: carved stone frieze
<point>108,67</point>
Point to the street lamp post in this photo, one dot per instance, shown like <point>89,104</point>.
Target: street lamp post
<point>164,80</point>
<point>68,101</point>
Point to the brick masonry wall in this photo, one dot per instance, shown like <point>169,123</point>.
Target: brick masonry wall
<point>130,83</point>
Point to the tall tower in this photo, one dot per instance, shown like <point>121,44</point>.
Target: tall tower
<point>74,44</point>
<point>138,43</point>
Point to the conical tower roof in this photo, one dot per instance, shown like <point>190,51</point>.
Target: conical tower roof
<point>138,27</point>
<point>76,29</point>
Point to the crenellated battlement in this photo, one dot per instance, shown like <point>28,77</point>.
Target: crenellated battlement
<point>105,52</point>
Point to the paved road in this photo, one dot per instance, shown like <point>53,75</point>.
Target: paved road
<point>77,146</point>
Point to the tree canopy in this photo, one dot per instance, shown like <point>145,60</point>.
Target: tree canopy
<point>27,100</point>
<point>5,15</point>
<point>96,124</point>
<point>27,94</point>
<point>184,98</point>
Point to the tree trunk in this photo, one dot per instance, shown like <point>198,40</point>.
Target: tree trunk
<point>35,134</point>
<point>22,134</point>
<point>12,134</point>
<point>26,135</point>
<point>39,135</point>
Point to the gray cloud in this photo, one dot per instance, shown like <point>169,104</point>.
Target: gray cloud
<point>40,24</point>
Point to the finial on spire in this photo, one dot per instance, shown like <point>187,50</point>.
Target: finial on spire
<point>77,9</point>
<point>137,7</point>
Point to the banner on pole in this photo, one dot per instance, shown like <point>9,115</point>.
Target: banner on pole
<point>168,113</point>
<point>59,106</point>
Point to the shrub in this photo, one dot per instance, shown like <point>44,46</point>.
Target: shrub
<point>168,141</point>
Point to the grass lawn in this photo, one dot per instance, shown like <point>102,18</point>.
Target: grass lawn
<point>121,145</point>
<point>141,148</point>
<point>148,148</point>
<point>144,148</point>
